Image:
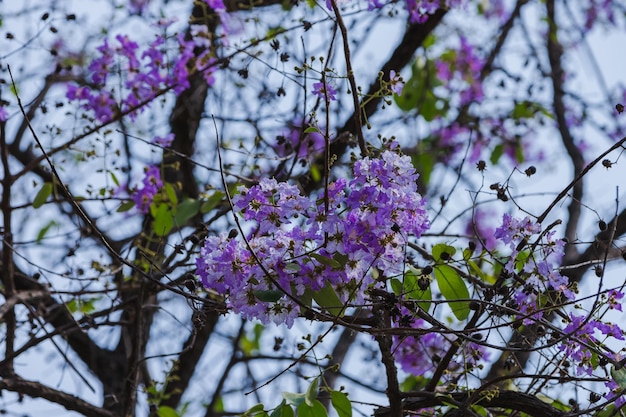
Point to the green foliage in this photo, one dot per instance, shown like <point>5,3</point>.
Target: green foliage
<point>44,230</point>
<point>43,194</point>
<point>213,201</point>
<point>165,411</point>
<point>418,92</point>
<point>453,287</point>
<point>328,299</point>
<point>341,403</point>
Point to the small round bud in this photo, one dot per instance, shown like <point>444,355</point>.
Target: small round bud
<point>602,225</point>
<point>423,283</point>
<point>530,171</point>
<point>598,271</point>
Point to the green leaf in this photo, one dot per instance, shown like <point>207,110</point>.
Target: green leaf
<point>311,129</point>
<point>306,298</point>
<point>317,410</point>
<point>163,220</point>
<point>413,291</point>
<point>186,210</point>
<point>114,178</point>
<point>125,206</point>
<point>254,410</point>
<point>452,288</point>
<point>396,286</point>
<point>292,267</point>
<point>171,193</point>
<point>283,410</point>
<point>328,299</point>
<point>476,270</point>
<point>496,154</point>
<point>341,403</point>
<point>212,202</point>
<point>311,392</point>
<point>619,375</point>
<point>293,398</point>
<point>268,296</point>
<point>165,411</point>
<point>316,175</point>
<point>424,162</point>
<point>44,230</point>
<point>325,260</point>
<point>42,195</point>
<point>441,248</point>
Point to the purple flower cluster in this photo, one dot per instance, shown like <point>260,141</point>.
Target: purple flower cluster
<point>307,145</point>
<point>464,65</point>
<point>419,355</point>
<point>420,10</point>
<point>325,91</point>
<point>144,75</point>
<point>151,185</point>
<point>299,246</point>
<point>536,272</point>
<point>582,329</point>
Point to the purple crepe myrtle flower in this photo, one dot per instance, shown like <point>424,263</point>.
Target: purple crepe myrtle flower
<point>4,114</point>
<point>584,328</point>
<point>165,141</point>
<point>417,354</point>
<point>151,185</point>
<point>396,82</point>
<point>325,91</point>
<point>360,230</point>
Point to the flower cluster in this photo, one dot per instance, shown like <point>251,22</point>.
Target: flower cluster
<point>145,74</point>
<point>293,140</point>
<point>420,355</point>
<point>533,273</point>
<point>580,332</point>
<point>151,185</point>
<point>464,65</point>
<point>301,246</point>
<point>325,91</point>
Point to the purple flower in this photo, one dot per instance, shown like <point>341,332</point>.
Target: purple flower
<point>396,83</point>
<point>151,185</point>
<point>325,91</point>
<point>4,114</point>
<point>164,141</point>
<point>294,237</point>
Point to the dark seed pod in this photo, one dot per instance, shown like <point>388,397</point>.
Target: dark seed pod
<point>423,283</point>
<point>427,270</point>
<point>602,225</point>
<point>598,271</point>
<point>233,233</point>
<point>594,397</point>
<point>481,165</point>
<point>473,305</point>
<point>603,361</point>
<point>471,245</point>
<point>619,108</point>
<point>607,163</point>
<point>530,171</point>
<point>444,256</point>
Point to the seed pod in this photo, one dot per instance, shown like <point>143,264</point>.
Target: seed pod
<point>530,171</point>
<point>602,225</point>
